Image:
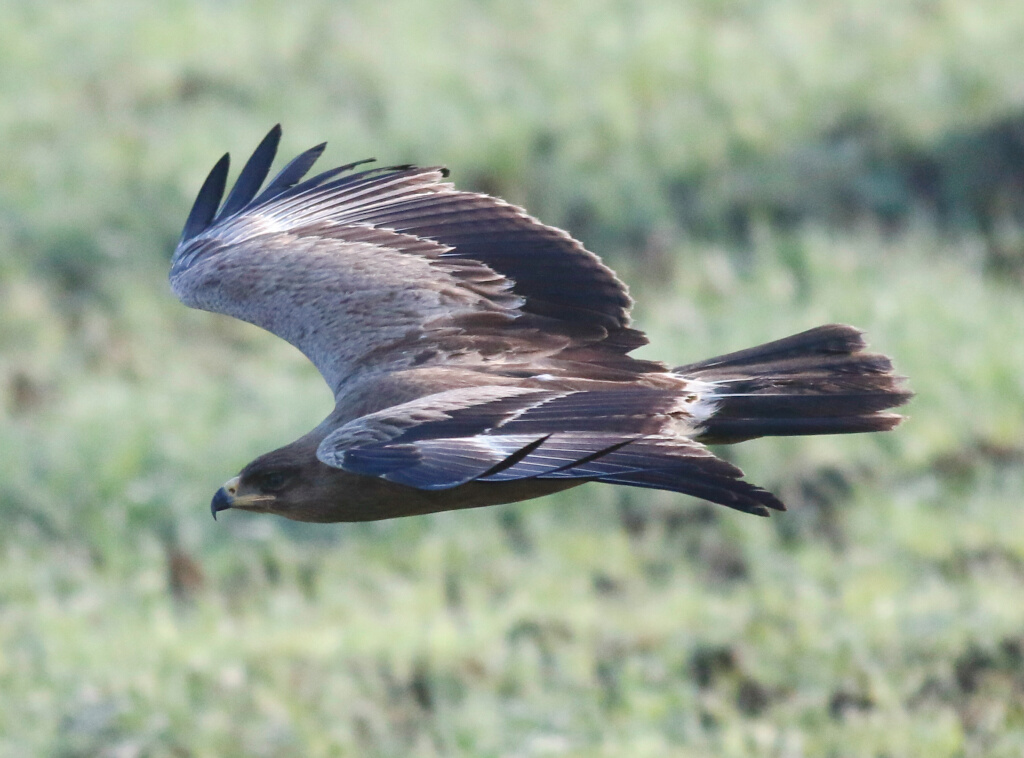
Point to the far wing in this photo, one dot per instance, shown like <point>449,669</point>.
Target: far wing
<point>633,436</point>
<point>386,268</point>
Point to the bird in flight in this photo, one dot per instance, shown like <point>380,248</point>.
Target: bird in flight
<point>478,356</point>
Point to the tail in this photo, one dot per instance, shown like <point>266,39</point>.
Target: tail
<point>816,382</point>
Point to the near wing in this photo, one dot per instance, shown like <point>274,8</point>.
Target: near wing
<point>633,436</point>
<point>386,268</point>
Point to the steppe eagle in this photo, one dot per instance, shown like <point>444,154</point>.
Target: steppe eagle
<point>478,356</point>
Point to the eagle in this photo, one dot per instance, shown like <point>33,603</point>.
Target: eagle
<point>478,356</point>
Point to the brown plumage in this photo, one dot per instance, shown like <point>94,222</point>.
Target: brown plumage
<point>478,356</point>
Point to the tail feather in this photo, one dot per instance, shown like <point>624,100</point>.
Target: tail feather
<point>815,382</point>
<point>833,404</point>
<point>832,339</point>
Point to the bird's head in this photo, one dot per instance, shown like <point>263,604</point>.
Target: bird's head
<point>292,482</point>
<point>288,482</point>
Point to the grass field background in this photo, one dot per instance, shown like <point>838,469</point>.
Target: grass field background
<point>752,169</point>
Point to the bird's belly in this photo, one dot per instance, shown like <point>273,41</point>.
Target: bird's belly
<point>372,499</point>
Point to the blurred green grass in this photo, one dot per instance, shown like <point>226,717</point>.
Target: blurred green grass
<point>880,617</point>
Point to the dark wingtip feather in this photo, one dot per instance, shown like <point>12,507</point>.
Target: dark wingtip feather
<point>291,174</point>
<point>320,179</point>
<point>688,479</point>
<point>205,207</point>
<point>253,174</point>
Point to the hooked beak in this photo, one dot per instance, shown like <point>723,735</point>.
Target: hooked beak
<point>228,497</point>
<point>224,498</point>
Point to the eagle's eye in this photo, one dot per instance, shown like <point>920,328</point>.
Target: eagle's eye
<point>275,480</point>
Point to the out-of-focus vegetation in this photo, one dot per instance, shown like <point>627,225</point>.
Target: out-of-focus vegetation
<point>752,169</point>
